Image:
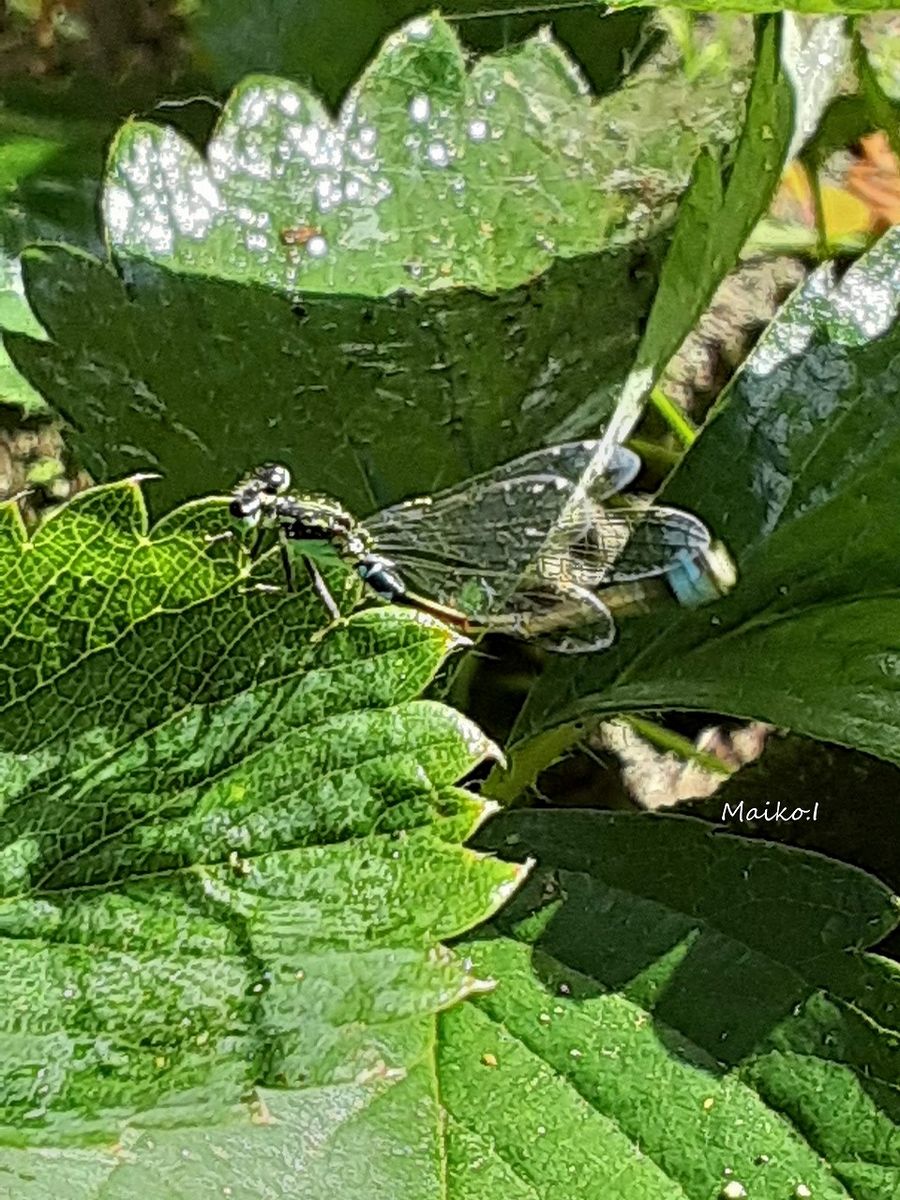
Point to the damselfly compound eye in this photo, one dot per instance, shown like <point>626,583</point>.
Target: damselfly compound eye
<point>274,478</point>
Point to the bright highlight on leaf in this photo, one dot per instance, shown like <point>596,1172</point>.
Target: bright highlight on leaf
<point>432,174</point>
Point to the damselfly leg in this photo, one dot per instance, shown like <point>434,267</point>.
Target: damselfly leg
<point>319,585</point>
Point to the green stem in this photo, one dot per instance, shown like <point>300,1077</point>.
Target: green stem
<point>526,762</point>
<point>654,454</point>
<point>815,183</point>
<point>673,416</point>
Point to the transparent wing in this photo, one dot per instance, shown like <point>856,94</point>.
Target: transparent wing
<point>536,487</point>
<point>623,544</point>
<point>481,536</point>
<point>491,570</point>
<point>561,467</point>
<point>571,461</point>
<point>565,619</point>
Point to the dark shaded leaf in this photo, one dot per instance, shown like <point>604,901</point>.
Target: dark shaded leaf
<point>697,1006</point>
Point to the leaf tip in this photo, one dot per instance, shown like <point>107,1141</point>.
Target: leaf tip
<point>489,807</point>
<point>479,987</point>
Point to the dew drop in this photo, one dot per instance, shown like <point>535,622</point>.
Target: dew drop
<point>478,130</point>
<point>420,29</point>
<point>438,154</point>
<point>317,247</point>
<point>289,104</point>
<point>420,108</point>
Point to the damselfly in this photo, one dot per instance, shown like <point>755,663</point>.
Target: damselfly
<point>542,547</point>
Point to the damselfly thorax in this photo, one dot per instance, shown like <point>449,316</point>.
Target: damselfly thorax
<point>537,548</point>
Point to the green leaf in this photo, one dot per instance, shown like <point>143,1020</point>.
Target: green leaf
<point>796,472</point>
<point>54,136</point>
<point>370,397</point>
<point>16,315</point>
<point>433,175</point>
<point>326,45</point>
<point>230,851</point>
<point>850,800</point>
<point>698,1007</point>
<point>722,206</point>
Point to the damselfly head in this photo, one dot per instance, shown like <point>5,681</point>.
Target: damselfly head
<point>246,507</point>
<point>258,490</point>
<point>274,477</point>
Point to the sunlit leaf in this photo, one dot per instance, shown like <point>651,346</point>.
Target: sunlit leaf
<point>230,852</point>
<point>16,315</point>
